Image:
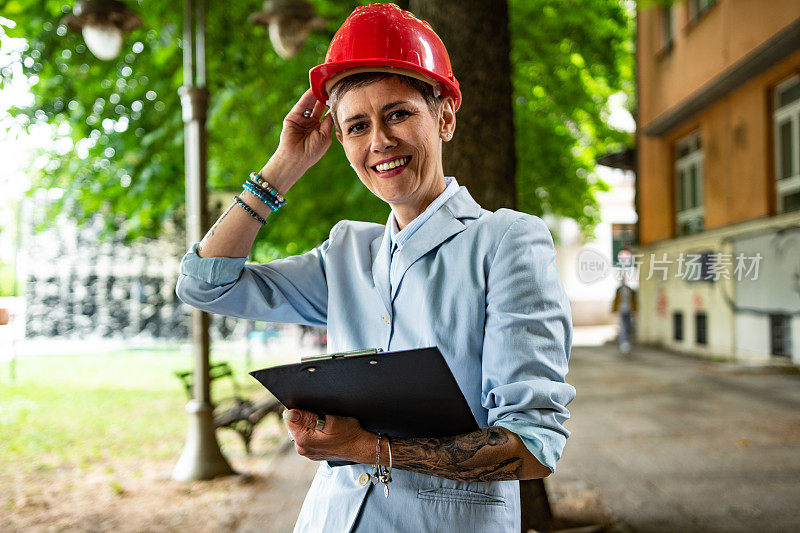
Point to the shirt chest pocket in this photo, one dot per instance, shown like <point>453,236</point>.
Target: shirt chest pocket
<point>460,496</point>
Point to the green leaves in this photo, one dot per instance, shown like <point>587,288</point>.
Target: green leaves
<point>125,124</point>
<point>568,58</point>
<point>125,120</point>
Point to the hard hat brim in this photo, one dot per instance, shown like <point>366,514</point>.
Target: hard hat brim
<point>324,77</point>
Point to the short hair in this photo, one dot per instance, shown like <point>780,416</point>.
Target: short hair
<point>368,78</point>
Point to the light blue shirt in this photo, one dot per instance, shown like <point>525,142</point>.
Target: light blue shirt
<point>399,237</point>
<point>481,286</point>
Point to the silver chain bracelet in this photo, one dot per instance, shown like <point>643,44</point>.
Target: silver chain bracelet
<point>382,474</point>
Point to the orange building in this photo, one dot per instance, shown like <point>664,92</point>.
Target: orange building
<point>718,184</point>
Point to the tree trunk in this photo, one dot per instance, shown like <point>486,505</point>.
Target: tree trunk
<point>482,155</point>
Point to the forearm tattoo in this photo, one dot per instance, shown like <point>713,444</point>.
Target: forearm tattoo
<point>211,231</point>
<point>482,455</point>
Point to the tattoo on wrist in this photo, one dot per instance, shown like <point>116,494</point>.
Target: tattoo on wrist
<point>458,457</point>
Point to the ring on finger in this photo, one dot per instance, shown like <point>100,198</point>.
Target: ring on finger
<point>307,113</point>
<point>320,425</point>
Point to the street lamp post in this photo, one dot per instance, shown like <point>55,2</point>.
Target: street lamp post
<point>103,24</point>
<point>201,457</point>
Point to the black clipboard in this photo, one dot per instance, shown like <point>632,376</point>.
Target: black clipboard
<point>409,393</point>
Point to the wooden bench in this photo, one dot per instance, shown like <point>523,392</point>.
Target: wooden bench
<point>236,413</point>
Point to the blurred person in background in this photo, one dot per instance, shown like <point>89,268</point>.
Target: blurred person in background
<point>625,306</point>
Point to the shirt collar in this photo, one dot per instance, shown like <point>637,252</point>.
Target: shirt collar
<point>399,237</point>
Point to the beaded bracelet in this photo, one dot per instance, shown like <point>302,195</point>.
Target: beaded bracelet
<point>262,183</point>
<point>249,210</point>
<point>259,193</point>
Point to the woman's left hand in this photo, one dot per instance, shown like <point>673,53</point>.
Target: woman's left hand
<point>341,438</point>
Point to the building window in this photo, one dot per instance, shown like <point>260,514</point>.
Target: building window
<point>623,237</point>
<point>700,330</point>
<point>700,267</point>
<point>689,185</point>
<point>697,8</point>
<point>677,326</point>
<point>667,28</point>
<point>780,335</point>
<point>787,145</point>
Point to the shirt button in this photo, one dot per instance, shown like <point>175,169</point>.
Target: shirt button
<point>386,318</point>
<point>363,479</point>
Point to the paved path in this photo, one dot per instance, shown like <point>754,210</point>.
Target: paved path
<point>663,442</point>
<point>660,443</point>
<point>273,506</point>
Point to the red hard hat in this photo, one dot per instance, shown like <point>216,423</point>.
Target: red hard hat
<point>384,38</point>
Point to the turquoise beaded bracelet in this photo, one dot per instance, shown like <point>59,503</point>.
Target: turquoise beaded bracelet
<point>266,187</point>
<point>261,195</point>
<point>249,210</point>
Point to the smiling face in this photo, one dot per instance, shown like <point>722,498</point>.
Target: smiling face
<point>394,143</point>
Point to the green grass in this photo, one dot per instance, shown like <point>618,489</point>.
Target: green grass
<point>73,411</point>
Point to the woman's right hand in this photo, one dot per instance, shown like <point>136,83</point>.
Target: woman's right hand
<point>304,140</point>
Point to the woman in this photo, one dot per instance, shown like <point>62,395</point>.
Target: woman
<point>481,286</point>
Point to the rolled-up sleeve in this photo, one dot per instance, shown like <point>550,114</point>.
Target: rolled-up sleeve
<point>213,270</point>
<point>291,290</point>
<point>528,335</point>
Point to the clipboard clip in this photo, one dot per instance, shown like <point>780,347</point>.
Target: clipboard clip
<point>340,355</point>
